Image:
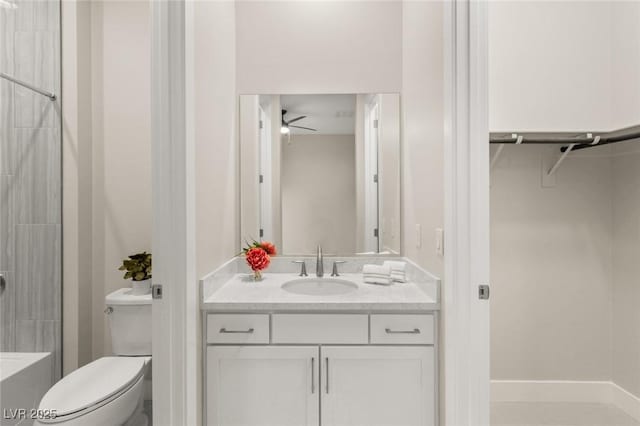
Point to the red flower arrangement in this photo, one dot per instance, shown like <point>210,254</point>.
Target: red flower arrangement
<point>258,256</point>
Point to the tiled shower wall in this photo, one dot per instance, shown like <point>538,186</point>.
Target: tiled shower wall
<point>30,180</point>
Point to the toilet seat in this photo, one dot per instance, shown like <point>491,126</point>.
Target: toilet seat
<point>92,386</point>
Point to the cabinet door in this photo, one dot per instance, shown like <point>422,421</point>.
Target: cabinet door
<point>262,386</point>
<point>377,386</point>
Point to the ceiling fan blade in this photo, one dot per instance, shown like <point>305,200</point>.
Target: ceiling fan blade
<point>296,119</point>
<point>306,128</point>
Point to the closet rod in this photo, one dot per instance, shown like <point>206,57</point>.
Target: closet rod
<point>622,135</point>
<point>579,140</point>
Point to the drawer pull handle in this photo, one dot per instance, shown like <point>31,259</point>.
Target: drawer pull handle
<point>327,382</point>
<point>414,331</point>
<point>224,330</point>
<point>313,375</point>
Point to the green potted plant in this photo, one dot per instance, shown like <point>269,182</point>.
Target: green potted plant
<point>138,267</point>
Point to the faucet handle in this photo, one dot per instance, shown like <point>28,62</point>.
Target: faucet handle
<point>334,272</point>
<point>303,268</point>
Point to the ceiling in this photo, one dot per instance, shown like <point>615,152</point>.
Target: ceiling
<point>329,114</point>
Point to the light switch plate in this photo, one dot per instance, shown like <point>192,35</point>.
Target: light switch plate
<point>418,235</point>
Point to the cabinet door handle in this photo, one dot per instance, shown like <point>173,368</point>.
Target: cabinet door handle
<point>414,331</point>
<point>326,383</point>
<point>224,330</point>
<point>313,375</point>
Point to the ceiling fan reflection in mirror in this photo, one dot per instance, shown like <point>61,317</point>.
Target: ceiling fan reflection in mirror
<point>286,125</point>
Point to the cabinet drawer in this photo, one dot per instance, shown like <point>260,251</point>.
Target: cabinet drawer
<point>237,328</point>
<point>320,328</point>
<point>403,329</point>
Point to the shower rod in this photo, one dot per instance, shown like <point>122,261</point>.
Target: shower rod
<point>49,95</point>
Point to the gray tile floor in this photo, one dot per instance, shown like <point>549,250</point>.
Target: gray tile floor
<point>558,414</point>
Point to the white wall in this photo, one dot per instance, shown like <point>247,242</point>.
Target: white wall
<point>215,134</point>
<point>318,47</point>
<point>121,148</point>
<point>551,268</point>
<point>401,41</point>
<point>550,71</point>
<point>107,160</point>
<point>318,207</point>
<point>626,197</point>
<point>626,266</point>
<point>549,65</point>
<point>625,59</point>
<point>77,166</point>
<point>422,104</point>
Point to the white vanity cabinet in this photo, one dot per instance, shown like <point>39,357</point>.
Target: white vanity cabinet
<point>302,370</point>
<point>262,385</point>
<point>377,386</point>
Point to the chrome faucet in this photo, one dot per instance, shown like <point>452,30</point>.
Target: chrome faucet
<point>319,265</point>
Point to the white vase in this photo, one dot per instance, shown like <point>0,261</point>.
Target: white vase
<point>140,288</point>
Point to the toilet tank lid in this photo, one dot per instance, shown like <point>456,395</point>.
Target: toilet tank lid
<point>123,296</point>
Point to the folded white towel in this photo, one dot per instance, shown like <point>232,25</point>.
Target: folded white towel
<point>395,265</point>
<point>397,270</point>
<point>383,276</point>
<point>376,269</point>
<point>383,280</point>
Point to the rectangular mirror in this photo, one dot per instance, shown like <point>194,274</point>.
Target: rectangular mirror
<point>321,170</point>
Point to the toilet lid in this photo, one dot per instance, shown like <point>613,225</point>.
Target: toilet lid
<point>92,384</point>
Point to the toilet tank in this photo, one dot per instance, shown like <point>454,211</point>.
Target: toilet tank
<point>130,322</point>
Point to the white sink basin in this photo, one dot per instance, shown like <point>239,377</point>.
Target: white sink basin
<point>319,286</point>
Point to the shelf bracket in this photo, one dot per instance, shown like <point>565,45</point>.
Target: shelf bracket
<point>568,149</point>
<point>560,160</point>
<point>519,139</point>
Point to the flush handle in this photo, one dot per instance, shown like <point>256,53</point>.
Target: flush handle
<point>109,310</point>
<point>156,291</point>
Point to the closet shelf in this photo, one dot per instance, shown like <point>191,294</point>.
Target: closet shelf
<point>579,140</point>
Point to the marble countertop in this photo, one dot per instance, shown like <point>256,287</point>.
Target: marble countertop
<point>240,293</point>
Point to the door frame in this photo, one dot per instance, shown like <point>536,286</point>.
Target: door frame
<point>176,383</point>
<point>466,317</point>
<point>175,316</point>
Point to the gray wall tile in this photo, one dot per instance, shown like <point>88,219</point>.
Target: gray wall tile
<point>38,272</point>
<point>40,336</point>
<point>38,174</point>
<point>38,15</point>
<point>25,335</point>
<point>7,147</point>
<point>7,28</point>
<point>36,56</point>
<point>30,180</point>
<point>7,313</point>
<point>7,222</point>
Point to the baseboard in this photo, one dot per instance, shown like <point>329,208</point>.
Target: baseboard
<point>626,401</point>
<point>550,391</point>
<point>565,391</point>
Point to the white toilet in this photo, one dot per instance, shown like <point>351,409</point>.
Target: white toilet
<point>108,391</point>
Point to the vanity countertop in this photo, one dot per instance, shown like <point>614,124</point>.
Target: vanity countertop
<point>241,293</point>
